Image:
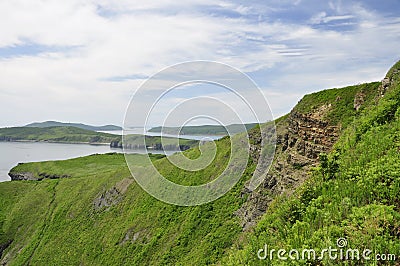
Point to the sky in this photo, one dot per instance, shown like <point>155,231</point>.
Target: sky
<point>83,60</point>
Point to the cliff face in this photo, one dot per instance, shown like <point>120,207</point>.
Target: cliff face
<point>156,146</point>
<point>391,78</point>
<point>28,176</point>
<point>300,140</point>
<point>302,136</point>
<point>91,216</point>
<point>22,176</point>
<point>308,136</point>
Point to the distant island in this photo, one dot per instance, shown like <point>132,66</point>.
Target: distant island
<point>74,135</point>
<point>56,134</point>
<point>78,125</point>
<point>203,130</point>
<point>334,181</point>
<point>134,142</point>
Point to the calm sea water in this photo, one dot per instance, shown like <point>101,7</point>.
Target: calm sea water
<point>12,153</point>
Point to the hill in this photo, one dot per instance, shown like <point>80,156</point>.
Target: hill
<point>78,125</point>
<point>203,130</point>
<point>83,136</point>
<point>336,174</point>
<point>350,199</point>
<point>56,134</point>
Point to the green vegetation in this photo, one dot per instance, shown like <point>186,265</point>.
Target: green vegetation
<point>204,130</point>
<point>78,125</point>
<point>55,222</point>
<point>157,143</point>
<point>55,134</point>
<point>353,193</point>
<point>78,135</point>
<point>100,216</point>
<point>336,105</point>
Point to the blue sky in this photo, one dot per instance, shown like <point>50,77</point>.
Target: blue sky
<point>81,60</point>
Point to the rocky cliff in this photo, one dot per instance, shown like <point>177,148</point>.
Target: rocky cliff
<point>301,137</point>
<point>29,176</point>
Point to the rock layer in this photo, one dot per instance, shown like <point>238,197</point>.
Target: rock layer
<point>300,140</point>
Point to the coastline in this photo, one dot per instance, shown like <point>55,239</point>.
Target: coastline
<point>58,142</point>
<point>24,151</point>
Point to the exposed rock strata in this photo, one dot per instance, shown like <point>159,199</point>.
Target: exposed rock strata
<point>157,146</point>
<point>391,78</point>
<point>32,177</point>
<point>112,196</point>
<point>359,100</point>
<point>300,140</point>
<point>22,176</point>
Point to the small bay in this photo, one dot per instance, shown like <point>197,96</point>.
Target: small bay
<point>12,153</point>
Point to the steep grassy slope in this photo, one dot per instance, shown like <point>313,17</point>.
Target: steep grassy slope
<point>352,194</point>
<point>311,128</point>
<point>100,216</point>
<point>61,222</point>
<point>336,106</point>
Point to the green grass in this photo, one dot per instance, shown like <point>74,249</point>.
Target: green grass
<point>78,125</point>
<point>78,135</point>
<point>158,143</point>
<point>55,134</point>
<point>53,222</point>
<point>338,103</point>
<point>353,193</point>
<point>204,130</point>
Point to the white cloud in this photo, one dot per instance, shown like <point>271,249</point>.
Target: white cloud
<point>322,17</point>
<point>99,40</point>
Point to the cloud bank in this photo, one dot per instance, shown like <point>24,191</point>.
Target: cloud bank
<point>81,60</point>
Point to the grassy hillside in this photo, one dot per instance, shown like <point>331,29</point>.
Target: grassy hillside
<point>100,216</point>
<point>55,134</point>
<point>59,222</point>
<point>78,125</point>
<point>353,193</point>
<point>203,130</point>
<point>337,105</point>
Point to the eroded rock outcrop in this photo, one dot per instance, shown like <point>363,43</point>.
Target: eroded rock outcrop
<point>4,246</point>
<point>134,235</point>
<point>157,146</point>
<point>22,176</point>
<point>112,196</point>
<point>28,176</point>
<point>384,86</point>
<point>300,140</point>
<point>391,78</point>
<point>359,100</point>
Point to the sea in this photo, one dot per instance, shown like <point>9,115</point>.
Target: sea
<point>12,153</point>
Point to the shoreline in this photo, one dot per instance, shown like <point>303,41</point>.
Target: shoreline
<point>33,150</point>
<point>204,135</point>
<point>58,142</point>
